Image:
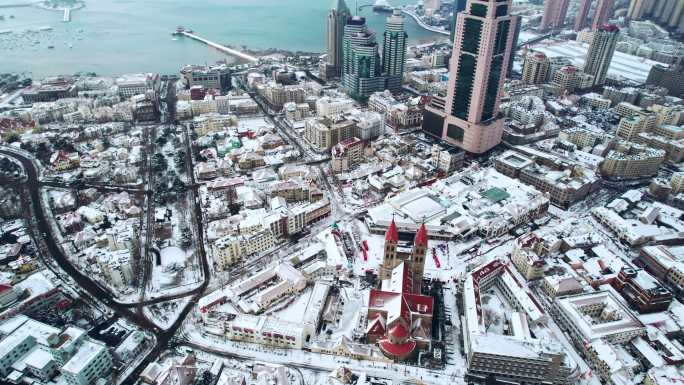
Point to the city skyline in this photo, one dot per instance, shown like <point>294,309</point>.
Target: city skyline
<point>461,192</point>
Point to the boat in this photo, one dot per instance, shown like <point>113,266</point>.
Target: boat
<point>51,47</point>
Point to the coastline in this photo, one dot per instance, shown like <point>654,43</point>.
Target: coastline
<point>41,5</point>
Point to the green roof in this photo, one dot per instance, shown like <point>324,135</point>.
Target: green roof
<point>495,194</point>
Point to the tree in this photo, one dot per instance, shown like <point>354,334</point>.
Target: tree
<point>179,160</point>
<point>12,137</point>
<point>159,162</point>
<point>186,238</point>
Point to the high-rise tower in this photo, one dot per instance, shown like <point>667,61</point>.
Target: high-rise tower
<point>482,47</point>
<point>601,52</point>
<point>603,11</point>
<point>536,68</point>
<point>554,14</point>
<point>394,50</point>
<point>337,18</point>
<point>639,8</point>
<point>360,60</point>
<point>431,6</point>
<point>459,6</point>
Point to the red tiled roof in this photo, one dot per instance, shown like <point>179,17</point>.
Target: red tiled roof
<point>610,27</point>
<point>399,332</point>
<point>392,234</point>
<point>421,237</point>
<point>377,326</point>
<point>419,303</point>
<point>397,350</point>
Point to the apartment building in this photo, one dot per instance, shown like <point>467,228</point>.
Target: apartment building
<point>642,291</point>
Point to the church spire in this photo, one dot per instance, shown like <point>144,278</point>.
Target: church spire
<point>392,235</point>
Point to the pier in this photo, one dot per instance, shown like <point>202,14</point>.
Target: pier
<point>67,15</point>
<point>218,46</point>
<point>422,24</point>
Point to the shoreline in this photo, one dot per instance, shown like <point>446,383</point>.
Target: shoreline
<point>77,6</point>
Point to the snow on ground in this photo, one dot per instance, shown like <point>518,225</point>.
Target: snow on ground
<point>179,270</point>
<point>164,314</point>
<point>453,256</point>
<point>254,124</point>
<point>294,308</point>
<point>495,310</point>
<point>354,303</point>
<point>623,65</point>
<point>174,274</point>
<point>398,373</point>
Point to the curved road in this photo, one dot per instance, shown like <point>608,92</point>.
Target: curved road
<point>87,284</point>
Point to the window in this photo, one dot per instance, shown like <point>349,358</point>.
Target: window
<point>432,123</point>
<point>455,132</point>
<point>478,10</point>
<point>492,87</point>
<point>501,37</point>
<point>472,30</point>
<point>502,10</point>
<point>464,86</point>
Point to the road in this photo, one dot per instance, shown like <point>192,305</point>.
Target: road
<point>96,291</point>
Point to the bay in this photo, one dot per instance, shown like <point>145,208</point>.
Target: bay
<point>118,36</point>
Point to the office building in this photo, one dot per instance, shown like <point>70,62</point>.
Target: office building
<point>346,155</point>
<point>458,6</point>
<point>323,133</point>
<point>604,9</point>
<point>670,77</point>
<point>554,14</point>
<point>560,285</point>
<point>639,8</point>
<point>361,61</point>
<point>394,50</point>
<point>666,263</point>
<point>337,18</point>
<point>600,52</point>
<point>627,160</point>
<point>642,291</point>
<point>630,127</point>
<point>478,66</point>
<point>564,185</point>
<point>677,182</point>
<point>215,76</point>
<point>34,350</point>
<point>515,357</point>
<point>431,6</point>
<point>596,316</point>
<point>602,12</point>
<point>536,68</point>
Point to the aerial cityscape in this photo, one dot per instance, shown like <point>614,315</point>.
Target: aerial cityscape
<point>338,192</point>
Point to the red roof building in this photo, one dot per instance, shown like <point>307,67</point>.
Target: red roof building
<point>399,320</point>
